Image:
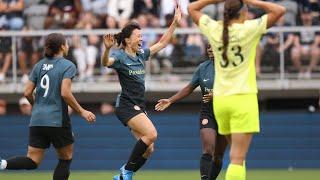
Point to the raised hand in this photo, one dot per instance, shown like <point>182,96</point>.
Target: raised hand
<point>162,104</point>
<point>108,41</point>
<point>177,14</point>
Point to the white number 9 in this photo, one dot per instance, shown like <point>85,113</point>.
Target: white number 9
<point>45,84</point>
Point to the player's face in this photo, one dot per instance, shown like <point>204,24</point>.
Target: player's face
<point>135,40</point>
<point>210,52</point>
<point>65,49</point>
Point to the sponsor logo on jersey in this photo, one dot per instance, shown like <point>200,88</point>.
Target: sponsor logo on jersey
<point>204,121</point>
<point>138,72</point>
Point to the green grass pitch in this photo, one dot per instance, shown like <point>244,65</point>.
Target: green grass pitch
<point>167,175</point>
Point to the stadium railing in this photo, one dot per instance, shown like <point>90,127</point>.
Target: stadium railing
<point>272,81</point>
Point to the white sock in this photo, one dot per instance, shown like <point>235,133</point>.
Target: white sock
<point>3,165</point>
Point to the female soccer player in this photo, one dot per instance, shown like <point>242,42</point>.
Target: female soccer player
<point>213,145</point>
<point>129,63</point>
<point>50,122</point>
<point>234,43</point>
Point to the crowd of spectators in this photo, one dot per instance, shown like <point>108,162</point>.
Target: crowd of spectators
<point>184,50</point>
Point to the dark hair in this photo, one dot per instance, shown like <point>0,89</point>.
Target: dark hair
<point>231,11</point>
<point>53,44</point>
<point>126,33</point>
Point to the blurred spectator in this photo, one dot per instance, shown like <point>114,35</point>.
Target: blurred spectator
<point>314,6</point>
<point>85,52</point>
<point>106,108</point>
<point>271,51</point>
<point>167,8</point>
<point>28,54</point>
<point>87,21</point>
<point>194,48</point>
<point>11,13</point>
<point>35,13</point>
<point>292,11</point>
<point>5,56</point>
<point>145,7</point>
<point>306,46</point>
<point>97,7</point>
<point>121,10</point>
<point>25,107</point>
<point>111,22</point>
<point>3,107</point>
<point>86,48</point>
<point>63,14</point>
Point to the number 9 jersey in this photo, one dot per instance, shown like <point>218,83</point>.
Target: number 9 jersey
<point>49,108</point>
<point>237,75</point>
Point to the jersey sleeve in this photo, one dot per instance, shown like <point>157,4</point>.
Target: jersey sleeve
<point>206,24</point>
<point>145,53</point>
<point>195,78</point>
<point>70,72</point>
<point>117,60</point>
<point>34,74</point>
<point>259,25</point>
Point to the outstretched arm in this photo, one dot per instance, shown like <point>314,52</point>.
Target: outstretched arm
<point>165,103</point>
<point>194,8</point>
<point>165,39</point>
<point>71,101</point>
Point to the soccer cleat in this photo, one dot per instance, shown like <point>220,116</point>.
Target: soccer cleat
<point>125,174</point>
<point>1,168</point>
<point>116,177</point>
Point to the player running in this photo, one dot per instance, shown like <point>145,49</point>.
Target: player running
<point>234,41</point>
<point>129,62</point>
<point>50,122</point>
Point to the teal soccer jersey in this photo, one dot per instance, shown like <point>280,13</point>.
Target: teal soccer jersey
<point>204,77</point>
<point>49,108</point>
<point>131,72</point>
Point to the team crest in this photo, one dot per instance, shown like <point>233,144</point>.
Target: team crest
<point>204,121</point>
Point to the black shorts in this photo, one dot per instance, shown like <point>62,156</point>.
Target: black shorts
<point>42,137</point>
<point>207,119</point>
<point>126,110</point>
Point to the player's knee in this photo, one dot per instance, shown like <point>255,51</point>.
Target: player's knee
<point>152,136</point>
<point>66,156</point>
<point>208,148</point>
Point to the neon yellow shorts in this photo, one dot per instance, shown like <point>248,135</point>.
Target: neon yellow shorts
<point>237,114</point>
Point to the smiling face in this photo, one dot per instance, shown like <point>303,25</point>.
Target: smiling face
<point>135,40</point>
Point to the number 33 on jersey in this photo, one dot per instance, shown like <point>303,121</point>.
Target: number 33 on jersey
<point>237,74</point>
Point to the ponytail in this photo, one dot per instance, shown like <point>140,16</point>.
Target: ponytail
<point>232,9</point>
<point>225,37</point>
<point>119,38</point>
